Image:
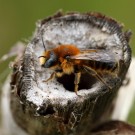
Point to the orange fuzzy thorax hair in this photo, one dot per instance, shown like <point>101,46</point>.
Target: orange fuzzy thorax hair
<point>65,50</point>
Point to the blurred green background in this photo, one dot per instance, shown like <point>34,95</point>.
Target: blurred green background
<point>18,18</point>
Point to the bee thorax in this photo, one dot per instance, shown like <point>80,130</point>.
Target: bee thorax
<point>67,67</point>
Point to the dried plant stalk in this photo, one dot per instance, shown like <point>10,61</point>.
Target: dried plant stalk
<point>53,107</point>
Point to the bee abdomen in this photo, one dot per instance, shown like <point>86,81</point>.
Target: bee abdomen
<point>104,66</point>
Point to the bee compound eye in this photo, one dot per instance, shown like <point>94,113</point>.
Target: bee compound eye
<point>49,63</point>
<point>53,56</point>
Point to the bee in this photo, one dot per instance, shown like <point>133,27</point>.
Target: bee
<point>68,59</point>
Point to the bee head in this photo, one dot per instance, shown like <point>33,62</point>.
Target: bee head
<point>51,60</point>
<point>48,60</point>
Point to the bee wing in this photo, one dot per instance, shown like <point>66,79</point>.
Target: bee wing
<point>95,55</point>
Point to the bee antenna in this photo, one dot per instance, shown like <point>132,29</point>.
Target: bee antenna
<point>43,43</point>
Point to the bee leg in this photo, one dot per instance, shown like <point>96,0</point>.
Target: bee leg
<point>76,81</point>
<point>94,73</point>
<point>51,77</point>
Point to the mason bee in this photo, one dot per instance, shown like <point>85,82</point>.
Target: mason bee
<point>68,59</point>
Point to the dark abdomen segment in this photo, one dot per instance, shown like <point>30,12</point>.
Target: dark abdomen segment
<point>103,66</point>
